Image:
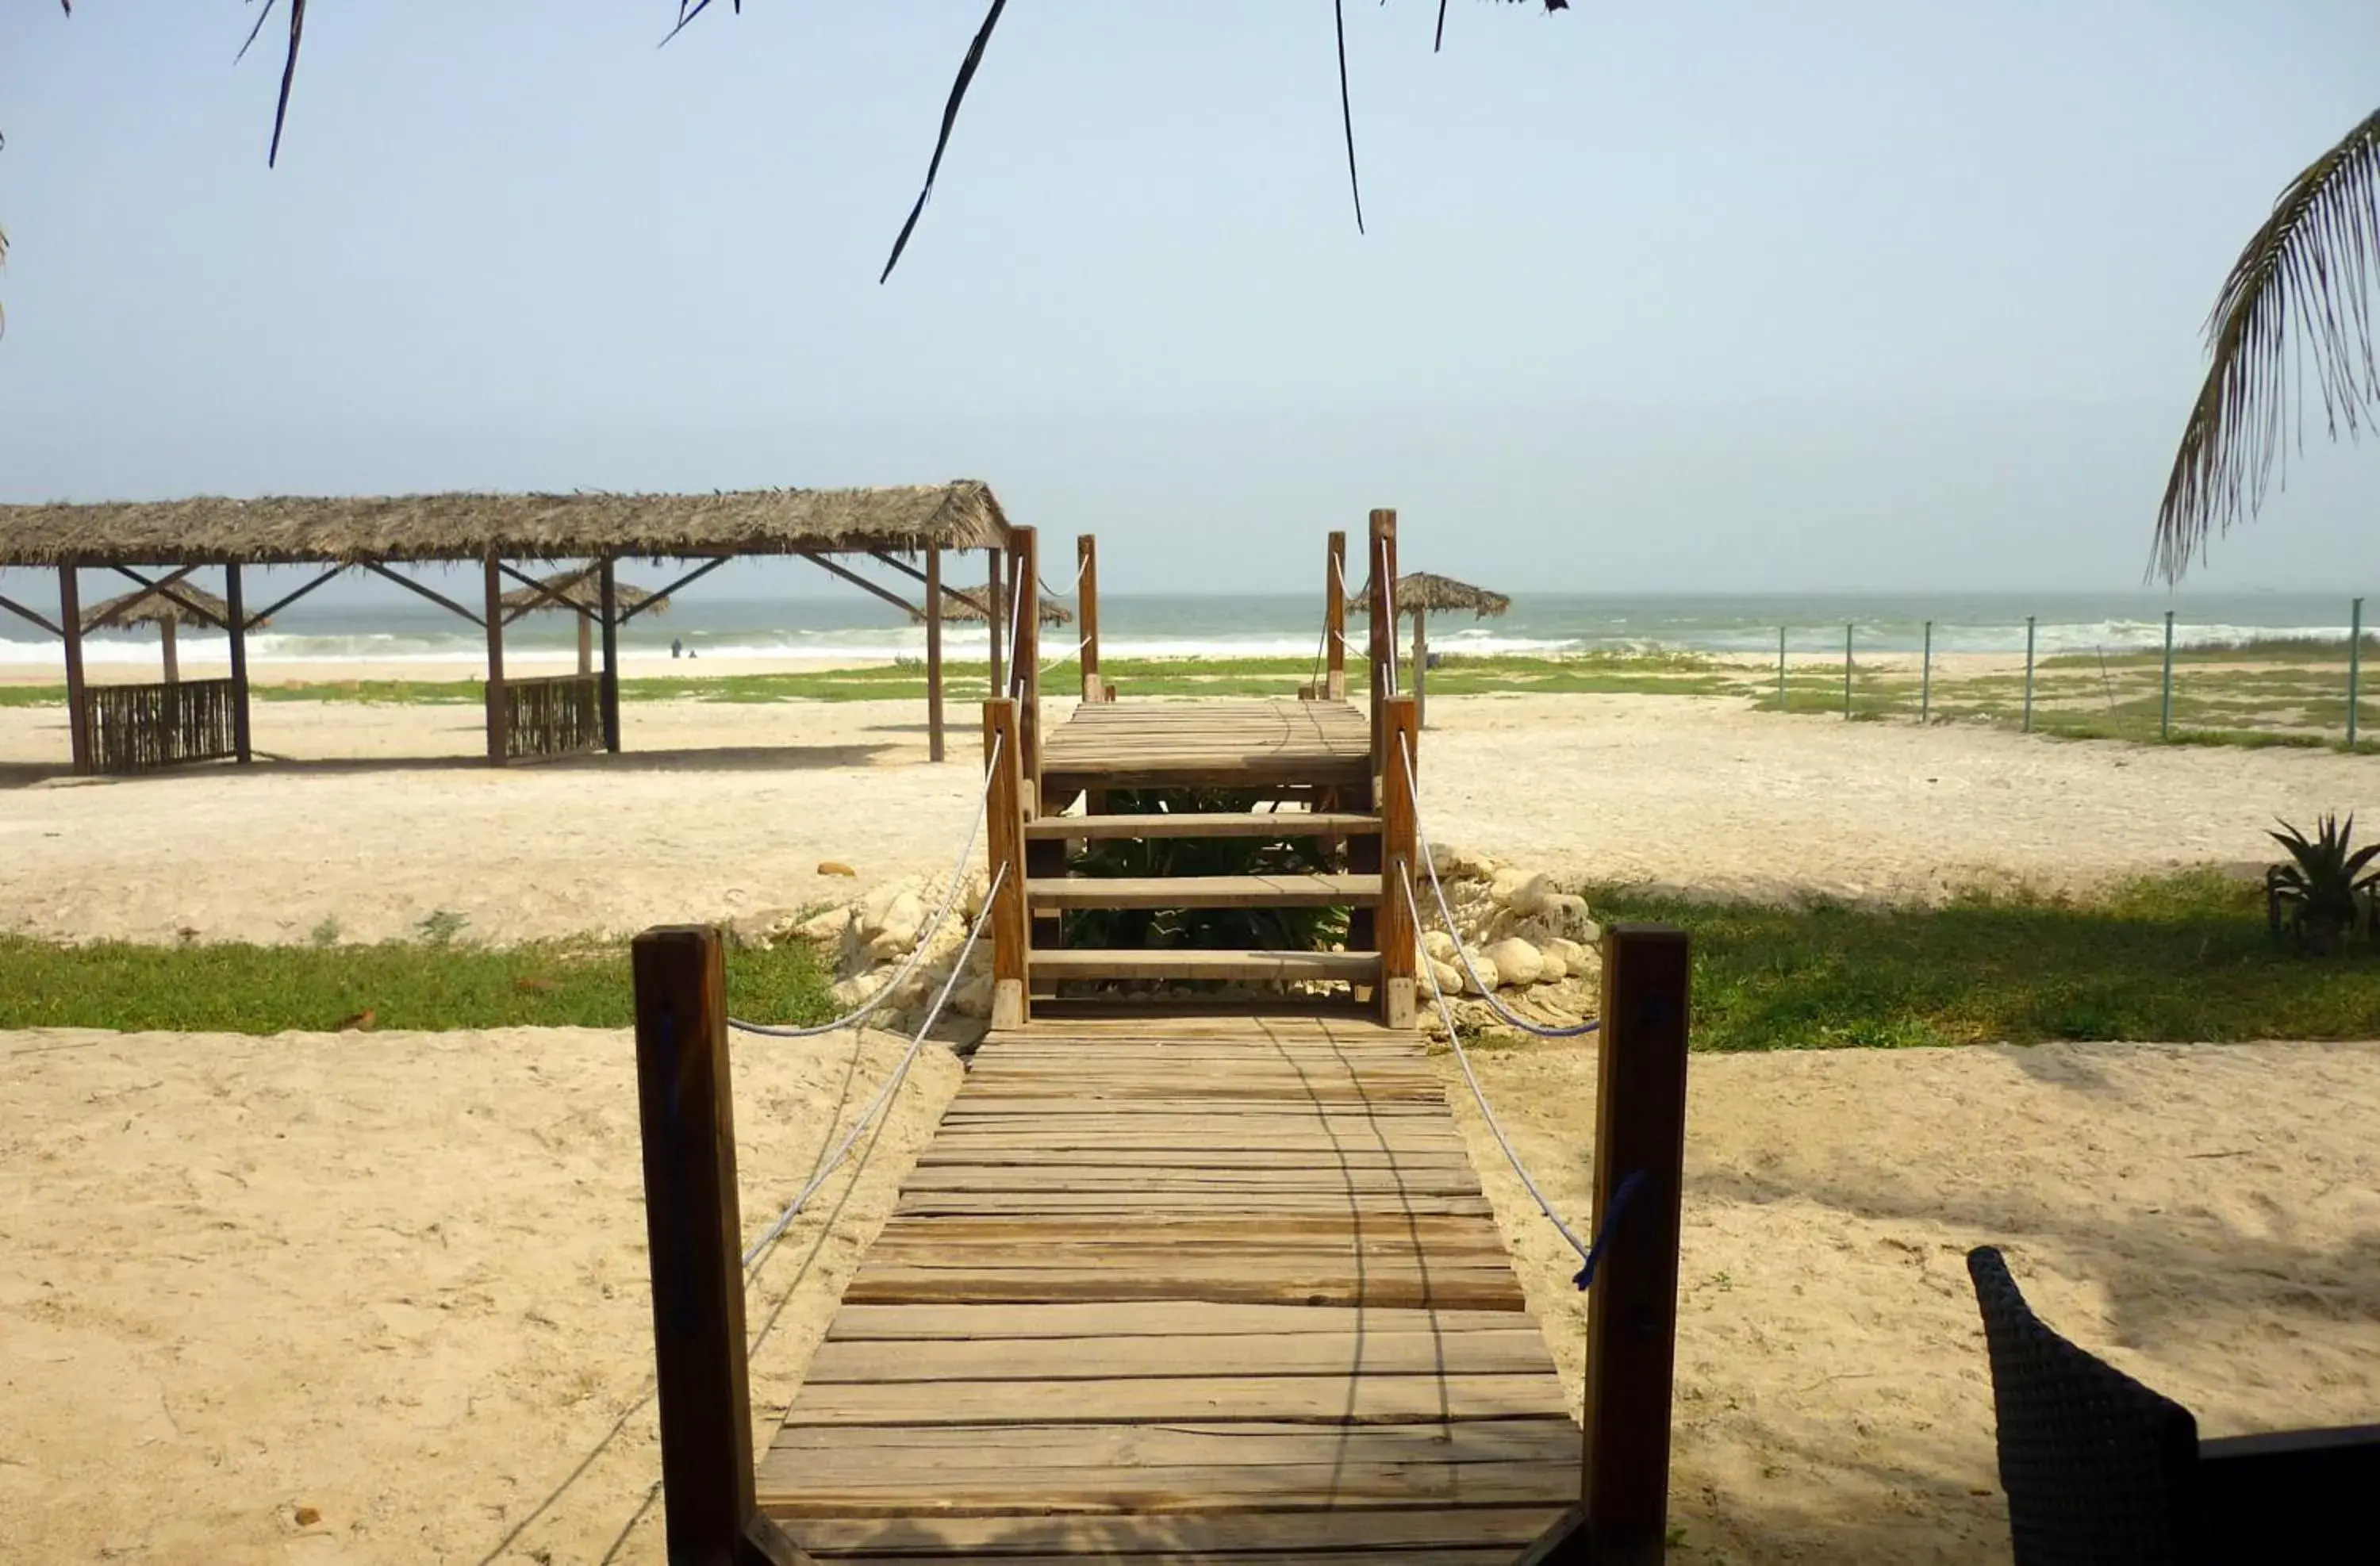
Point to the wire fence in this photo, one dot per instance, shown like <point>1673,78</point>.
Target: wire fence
<point>2190,688</point>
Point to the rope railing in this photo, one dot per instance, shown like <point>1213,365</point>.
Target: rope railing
<point>757,1251</point>
<point>925,935</point>
<point>1454,930</point>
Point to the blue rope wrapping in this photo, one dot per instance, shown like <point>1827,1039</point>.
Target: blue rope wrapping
<point>1628,1185</point>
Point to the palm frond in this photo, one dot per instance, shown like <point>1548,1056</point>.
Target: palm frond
<point>2299,298</point>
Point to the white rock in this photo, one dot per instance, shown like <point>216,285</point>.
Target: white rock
<point>1554,969</point>
<point>827,926</point>
<point>1439,944</point>
<point>850,992</point>
<point>1535,895</point>
<point>1454,863</point>
<point>1507,883</point>
<point>1517,962</point>
<point>1450,977</point>
<point>1573,956</point>
<point>973,999</point>
<point>878,911</point>
<point>1485,966</point>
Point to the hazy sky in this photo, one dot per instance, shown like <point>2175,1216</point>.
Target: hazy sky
<point>1739,295</point>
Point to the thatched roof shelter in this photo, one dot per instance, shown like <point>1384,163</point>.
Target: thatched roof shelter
<point>581,590</point>
<point>287,529</point>
<point>186,605</point>
<point>1420,593</point>
<point>958,611</point>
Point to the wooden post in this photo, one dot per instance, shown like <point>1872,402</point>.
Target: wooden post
<point>1086,558</point>
<point>1421,665</point>
<point>1382,553</point>
<point>1025,570</point>
<point>70,630</point>
<point>1004,822</point>
<point>236,614</point>
<point>694,1237</point>
<point>499,719</point>
<point>1400,862</point>
<point>1335,621</point>
<point>998,594</point>
<point>586,644</point>
<point>166,645</point>
<point>1631,1310</point>
<point>607,607</point>
<point>934,745</point>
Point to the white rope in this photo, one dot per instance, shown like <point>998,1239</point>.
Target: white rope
<point>925,936</point>
<point>1074,652</point>
<point>1454,932</point>
<point>1454,1036</point>
<point>1016,630</point>
<point>784,1219</point>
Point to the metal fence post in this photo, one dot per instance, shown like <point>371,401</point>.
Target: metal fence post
<point>1926,680</point>
<point>2028,674</point>
<point>2165,693</point>
<point>2354,664</point>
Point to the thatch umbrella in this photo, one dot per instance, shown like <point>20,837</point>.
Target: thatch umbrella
<point>958,611</point>
<point>186,605</point>
<point>582,590</point>
<point>1422,595</point>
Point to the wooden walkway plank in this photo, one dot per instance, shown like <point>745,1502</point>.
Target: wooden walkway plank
<point>1209,1287</point>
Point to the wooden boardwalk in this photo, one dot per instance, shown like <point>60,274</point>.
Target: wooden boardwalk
<point>1184,1289</point>
<point>1223,742</point>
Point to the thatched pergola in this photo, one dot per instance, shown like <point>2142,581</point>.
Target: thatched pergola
<point>581,592</point>
<point>971,606</point>
<point>1421,594</point>
<point>176,606</point>
<point>375,534</point>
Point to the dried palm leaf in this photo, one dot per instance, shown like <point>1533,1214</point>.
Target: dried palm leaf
<point>2299,298</point>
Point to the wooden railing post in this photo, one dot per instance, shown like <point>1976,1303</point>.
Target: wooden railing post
<point>1381,552</point>
<point>996,617</point>
<point>934,744</point>
<point>1087,559</point>
<point>1335,621</point>
<point>694,1238</point>
<point>1631,1310</point>
<point>1025,565</point>
<point>1004,830</point>
<point>1400,866</point>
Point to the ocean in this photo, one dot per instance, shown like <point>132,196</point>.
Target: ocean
<point>1139,624</point>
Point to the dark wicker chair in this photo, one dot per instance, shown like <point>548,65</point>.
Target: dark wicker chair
<point>2101,1471</point>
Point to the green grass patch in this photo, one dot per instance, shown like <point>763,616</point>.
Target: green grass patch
<point>434,983</point>
<point>2181,958</point>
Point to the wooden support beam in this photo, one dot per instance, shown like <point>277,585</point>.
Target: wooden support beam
<point>285,600</point>
<point>498,717</point>
<point>934,745</point>
<point>1400,844</point>
<point>235,611</point>
<point>163,588</point>
<point>70,629</point>
<point>1024,570</point>
<point>980,606</point>
<point>694,1239</point>
<point>1005,825</point>
<point>697,573</point>
<point>1335,621</point>
<point>607,598</point>
<point>1087,590</point>
<point>432,594</point>
<point>1631,1310</point>
<point>995,560</point>
<point>13,607</point>
<point>1381,542</point>
<point>825,564</point>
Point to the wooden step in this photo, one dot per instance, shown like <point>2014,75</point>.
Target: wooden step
<point>1239,967</point>
<point>1203,823</point>
<point>1203,892</point>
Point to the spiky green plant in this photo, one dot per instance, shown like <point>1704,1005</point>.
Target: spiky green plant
<point>2324,877</point>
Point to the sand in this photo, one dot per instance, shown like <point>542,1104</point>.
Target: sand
<point>394,1279</point>
<point>2206,1217</point>
<point>398,1279</point>
<point>724,809</point>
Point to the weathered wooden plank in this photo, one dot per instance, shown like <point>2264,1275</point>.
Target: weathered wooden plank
<point>1198,1537</point>
<point>1516,1350</point>
<point>1251,1443</point>
<point>1338,1399</point>
<point>1151,1490</point>
<point>1125,1204</point>
<point>939,1154</point>
<point>1382,1283</point>
<point>1205,824</point>
<point>1203,892</point>
<point>1143,1318</point>
<point>1199,1181</point>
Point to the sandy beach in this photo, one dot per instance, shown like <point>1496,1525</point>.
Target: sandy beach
<point>722,809</point>
<point>397,1281</point>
